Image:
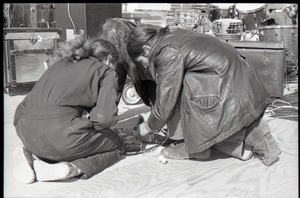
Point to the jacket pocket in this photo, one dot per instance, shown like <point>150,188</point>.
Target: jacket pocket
<point>205,102</point>
<point>203,90</point>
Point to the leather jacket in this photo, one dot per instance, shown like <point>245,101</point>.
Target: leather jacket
<point>219,92</point>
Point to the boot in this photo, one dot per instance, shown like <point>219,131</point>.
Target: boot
<point>264,146</point>
<point>54,172</point>
<point>23,169</point>
<point>179,152</point>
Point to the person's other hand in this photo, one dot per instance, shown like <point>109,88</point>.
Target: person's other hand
<point>143,129</point>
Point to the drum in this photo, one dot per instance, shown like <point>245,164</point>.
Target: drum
<point>228,29</point>
<point>252,14</point>
<point>129,94</point>
<point>288,34</point>
<point>223,10</point>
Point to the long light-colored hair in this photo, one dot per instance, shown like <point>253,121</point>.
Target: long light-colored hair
<point>80,48</point>
<point>116,31</point>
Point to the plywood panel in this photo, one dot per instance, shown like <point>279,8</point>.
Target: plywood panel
<point>143,176</point>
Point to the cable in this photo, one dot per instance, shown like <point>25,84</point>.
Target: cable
<point>288,103</point>
<point>153,148</point>
<point>288,106</point>
<point>71,18</point>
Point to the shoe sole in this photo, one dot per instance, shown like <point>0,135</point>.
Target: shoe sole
<point>23,171</point>
<point>247,154</point>
<point>50,172</point>
<point>188,158</point>
<point>177,158</point>
<point>205,156</point>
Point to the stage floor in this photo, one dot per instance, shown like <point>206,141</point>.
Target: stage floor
<point>143,176</point>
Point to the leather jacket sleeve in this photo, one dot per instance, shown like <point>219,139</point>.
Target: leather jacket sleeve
<point>169,64</point>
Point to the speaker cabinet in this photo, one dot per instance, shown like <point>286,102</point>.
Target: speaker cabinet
<point>269,61</point>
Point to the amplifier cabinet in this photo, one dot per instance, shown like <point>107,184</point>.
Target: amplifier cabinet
<point>27,54</point>
<point>269,61</point>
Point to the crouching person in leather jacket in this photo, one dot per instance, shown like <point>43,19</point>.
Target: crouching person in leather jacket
<point>208,90</point>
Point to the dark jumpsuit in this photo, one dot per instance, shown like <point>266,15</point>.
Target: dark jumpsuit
<point>49,121</point>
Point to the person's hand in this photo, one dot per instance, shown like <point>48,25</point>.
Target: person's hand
<point>143,129</point>
<point>85,114</point>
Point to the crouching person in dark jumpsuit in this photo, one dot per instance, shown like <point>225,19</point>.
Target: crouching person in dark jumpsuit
<point>207,91</point>
<point>64,122</point>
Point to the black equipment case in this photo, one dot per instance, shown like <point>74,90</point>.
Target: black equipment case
<point>27,53</point>
<point>268,59</point>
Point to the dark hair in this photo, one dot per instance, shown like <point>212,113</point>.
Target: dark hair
<point>80,48</point>
<point>144,34</point>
